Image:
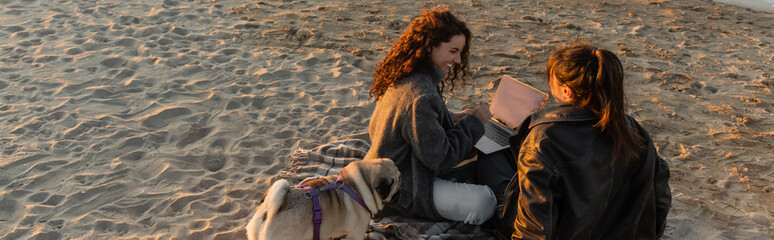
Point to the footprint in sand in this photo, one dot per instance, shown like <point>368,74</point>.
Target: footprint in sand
<point>214,162</point>
<point>109,226</point>
<point>113,62</point>
<point>14,29</point>
<point>239,193</point>
<point>46,59</point>
<point>44,32</point>
<point>276,75</point>
<point>38,197</point>
<point>15,12</point>
<point>93,46</point>
<point>193,135</point>
<point>47,235</point>
<point>221,58</point>
<point>126,42</point>
<point>229,51</point>
<point>233,105</point>
<point>205,184</point>
<point>165,41</point>
<point>8,208</point>
<point>124,74</point>
<point>53,200</point>
<point>20,35</point>
<point>132,156</point>
<point>163,117</point>
<point>180,31</point>
<point>181,203</point>
<point>128,20</point>
<point>29,43</point>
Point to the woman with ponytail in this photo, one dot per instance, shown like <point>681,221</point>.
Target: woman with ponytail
<point>585,169</point>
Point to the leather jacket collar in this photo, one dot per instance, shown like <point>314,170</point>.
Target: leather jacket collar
<point>562,113</point>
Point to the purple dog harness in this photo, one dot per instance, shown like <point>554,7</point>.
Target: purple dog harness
<point>317,211</point>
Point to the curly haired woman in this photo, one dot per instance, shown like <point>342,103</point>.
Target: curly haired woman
<point>412,125</point>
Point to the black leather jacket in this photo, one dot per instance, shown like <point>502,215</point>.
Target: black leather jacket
<point>567,187</point>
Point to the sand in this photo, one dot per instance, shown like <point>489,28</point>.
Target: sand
<point>165,119</point>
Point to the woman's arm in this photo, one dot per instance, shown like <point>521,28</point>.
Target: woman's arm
<point>457,116</point>
<point>437,148</point>
<point>537,211</point>
<point>663,194</point>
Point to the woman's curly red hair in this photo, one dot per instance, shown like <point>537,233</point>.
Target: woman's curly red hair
<point>412,50</point>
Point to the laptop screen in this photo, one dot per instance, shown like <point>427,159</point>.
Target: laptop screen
<point>514,101</point>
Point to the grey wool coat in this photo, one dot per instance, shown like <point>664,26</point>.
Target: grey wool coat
<point>412,126</point>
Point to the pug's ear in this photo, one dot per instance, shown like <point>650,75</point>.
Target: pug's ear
<point>384,187</point>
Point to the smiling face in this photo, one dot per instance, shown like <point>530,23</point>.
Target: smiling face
<point>448,54</point>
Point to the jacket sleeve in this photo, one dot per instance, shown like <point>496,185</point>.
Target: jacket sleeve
<point>437,148</point>
<point>663,194</point>
<point>537,211</point>
<point>662,191</point>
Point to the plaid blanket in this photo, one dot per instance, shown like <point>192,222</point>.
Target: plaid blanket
<point>327,159</point>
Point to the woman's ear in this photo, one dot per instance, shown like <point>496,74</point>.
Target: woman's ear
<point>566,92</point>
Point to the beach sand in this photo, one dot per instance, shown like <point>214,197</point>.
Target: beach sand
<point>166,119</point>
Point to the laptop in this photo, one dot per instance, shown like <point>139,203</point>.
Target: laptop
<point>513,102</point>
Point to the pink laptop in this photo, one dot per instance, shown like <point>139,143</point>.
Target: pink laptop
<point>513,102</point>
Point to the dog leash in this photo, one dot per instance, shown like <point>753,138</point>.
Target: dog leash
<point>317,211</point>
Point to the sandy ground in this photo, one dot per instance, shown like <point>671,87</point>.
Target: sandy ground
<point>164,119</point>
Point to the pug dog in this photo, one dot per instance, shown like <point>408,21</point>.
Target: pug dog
<point>286,213</point>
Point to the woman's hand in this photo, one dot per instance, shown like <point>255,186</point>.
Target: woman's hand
<point>461,114</point>
<point>482,112</point>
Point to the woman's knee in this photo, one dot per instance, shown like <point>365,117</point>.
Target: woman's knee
<point>480,206</point>
<point>484,201</point>
<point>472,204</point>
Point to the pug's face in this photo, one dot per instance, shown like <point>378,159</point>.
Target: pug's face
<point>380,176</point>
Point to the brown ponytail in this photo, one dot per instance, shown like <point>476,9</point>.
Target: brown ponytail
<point>596,79</point>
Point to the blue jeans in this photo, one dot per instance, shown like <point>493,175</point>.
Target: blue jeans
<point>468,203</point>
